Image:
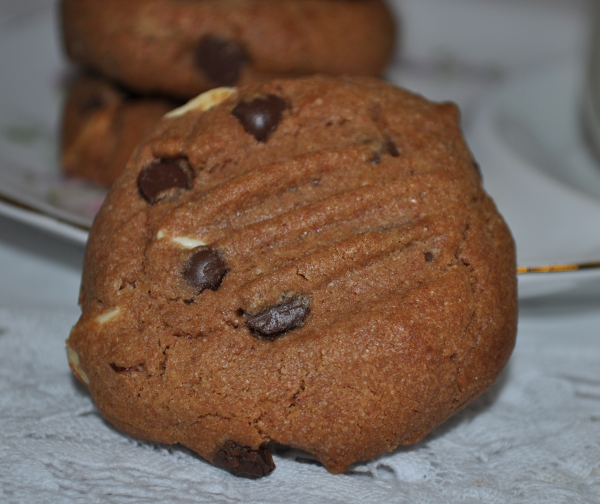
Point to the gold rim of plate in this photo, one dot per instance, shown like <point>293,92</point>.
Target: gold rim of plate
<point>557,268</point>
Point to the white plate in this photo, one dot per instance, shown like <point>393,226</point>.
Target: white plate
<point>526,139</point>
<point>529,142</point>
<point>31,90</point>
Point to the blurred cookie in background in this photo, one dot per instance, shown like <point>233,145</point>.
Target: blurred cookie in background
<point>182,48</point>
<point>101,126</point>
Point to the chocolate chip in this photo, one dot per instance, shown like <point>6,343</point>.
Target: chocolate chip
<point>428,257</point>
<point>260,116</point>
<point>244,462</point>
<point>220,59</point>
<point>205,269</point>
<point>386,147</point>
<point>158,177</point>
<point>278,319</point>
<point>392,148</point>
<point>119,369</point>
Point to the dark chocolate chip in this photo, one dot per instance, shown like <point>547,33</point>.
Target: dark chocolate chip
<point>162,175</point>
<point>205,269</point>
<point>392,148</point>
<point>260,116</point>
<point>244,462</point>
<point>278,319</point>
<point>386,147</point>
<point>220,59</point>
<point>428,257</point>
<point>119,369</point>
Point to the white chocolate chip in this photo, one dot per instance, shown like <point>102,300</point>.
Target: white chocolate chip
<point>188,243</point>
<point>73,359</point>
<point>183,241</point>
<point>203,102</point>
<point>108,316</point>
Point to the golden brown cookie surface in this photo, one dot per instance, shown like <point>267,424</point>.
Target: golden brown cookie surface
<point>182,48</point>
<point>311,262</point>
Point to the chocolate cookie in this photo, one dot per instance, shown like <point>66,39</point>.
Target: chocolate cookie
<point>310,262</point>
<point>101,126</point>
<point>182,47</point>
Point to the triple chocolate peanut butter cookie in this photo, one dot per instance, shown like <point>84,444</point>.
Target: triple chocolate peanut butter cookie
<point>311,262</point>
<point>183,47</point>
<point>102,124</point>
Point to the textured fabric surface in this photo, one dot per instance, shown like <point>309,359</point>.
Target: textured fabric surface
<point>533,437</point>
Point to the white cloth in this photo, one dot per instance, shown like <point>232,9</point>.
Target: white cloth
<point>533,437</point>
